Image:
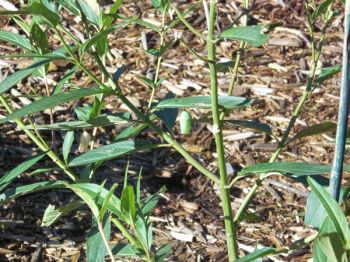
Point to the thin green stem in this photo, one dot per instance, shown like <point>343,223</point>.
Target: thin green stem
<point>217,130</point>
<point>69,34</point>
<point>159,61</point>
<point>284,141</point>
<point>242,46</point>
<point>109,251</point>
<point>188,25</point>
<point>125,232</point>
<point>41,145</point>
<point>143,117</point>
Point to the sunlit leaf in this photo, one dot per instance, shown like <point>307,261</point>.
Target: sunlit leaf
<point>253,35</point>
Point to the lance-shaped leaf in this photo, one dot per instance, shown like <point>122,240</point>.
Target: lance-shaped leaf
<point>93,40</point>
<point>103,120</point>
<point>95,247</point>
<point>328,72</point>
<point>315,130</point>
<point>14,78</point>
<point>261,127</point>
<point>6,179</point>
<point>88,12</point>
<point>204,102</point>
<point>292,168</point>
<point>259,253</point>
<point>52,101</point>
<point>31,188</point>
<point>52,214</point>
<point>97,194</point>
<point>70,5</point>
<point>253,35</point>
<point>36,8</point>
<point>16,39</point>
<point>333,211</point>
<point>110,151</point>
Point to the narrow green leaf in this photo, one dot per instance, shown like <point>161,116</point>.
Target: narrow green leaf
<point>110,151</point>
<point>37,8</point>
<point>70,5</point>
<point>16,39</point>
<point>146,81</point>
<point>87,197</point>
<point>224,67</point>
<point>95,246</point>
<point>317,253</point>
<point>259,253</point>
<point>293,168</point>
<point>204,102</point>
<point>130,131</point>
<point>253,35</point>
<point>137,21</point>
<point>315,130</point>
<point>39,39</point>
<point>58,88</point>
<point>98,194</point>
<point>67,145</point>
<point>31,188</point>
<point>168,115</point>
<point>321,8</point>
<point>52,214</point>
<point>86,46</point>
<point>14,78</point>
<point>163,252</point>
<point>327,73</point>
<point>156,4</point>
<point>261,127</point>
<point>149,203</point>
<point>52,56</point>
<point>125,250</point>
<point>102,120</point>
<point>107,22</point>
<point>162,5</point>
<point>333,210</point>
<point>330,243</point>
<point>128,202</point>
<point>7,178</point>
<point>153,52</point>
<point>104,206</point>
<point>144,230</point>
<point>52,101</point>
<point>88,12</point>
<point>315,214</point>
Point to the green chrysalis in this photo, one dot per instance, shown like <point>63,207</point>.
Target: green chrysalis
<point>185,123</point>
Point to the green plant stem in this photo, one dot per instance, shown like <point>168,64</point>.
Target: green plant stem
<point>39,143</point>
<point>124,231</point>
<point>51,113</point>
<point>284,141</point>
<point>144,118</point>
<point>109,251</point>
<point>159,62</point>
<point>217,130</point>
<point>242,46</point>
<point>188,25</point>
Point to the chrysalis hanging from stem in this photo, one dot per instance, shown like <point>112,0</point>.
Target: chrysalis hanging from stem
<point>185,123</point>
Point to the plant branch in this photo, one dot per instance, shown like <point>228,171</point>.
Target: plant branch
<point>100,228</point>
<point>41,145</point>
<point>144,118</point>
<point>188,25</point>
<point>284,141</point>
<point>217,130</point>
